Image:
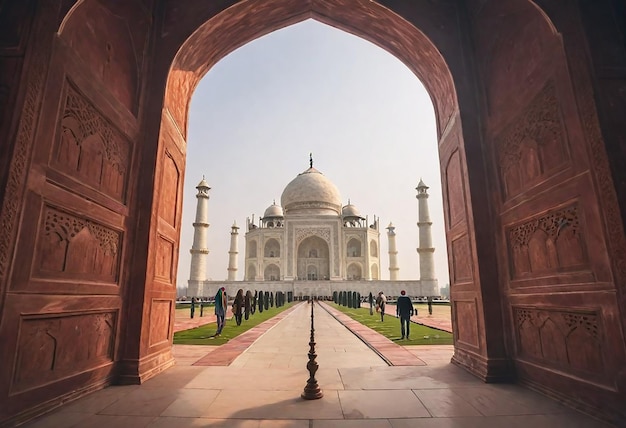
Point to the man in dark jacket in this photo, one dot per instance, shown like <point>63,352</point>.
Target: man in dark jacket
<point>404,311</point>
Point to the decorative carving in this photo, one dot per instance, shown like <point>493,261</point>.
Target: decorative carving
<point>586,321</point>
<point>65,345</point>
<point>565,339</point>
<point>67,227</point>
<point>586,100</point>
<point>523,315</point>
<point>23,145</point>
<point>302,234</point>
<point>548,243</point>
<point>532,147</point>
<point>90,148</point>
<point>73,245</point>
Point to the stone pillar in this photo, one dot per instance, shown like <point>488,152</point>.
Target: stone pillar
<point>199,251</point>
<point>232,253</point>
<point>393,253</point>
<point>425,249</point>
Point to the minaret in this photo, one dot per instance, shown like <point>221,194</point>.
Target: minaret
<point>199,251</point>
<point>232,253</point>
<point>425,250</point>
<point>393,253</point>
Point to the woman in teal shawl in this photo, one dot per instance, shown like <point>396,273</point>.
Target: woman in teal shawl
<point>220,309</point>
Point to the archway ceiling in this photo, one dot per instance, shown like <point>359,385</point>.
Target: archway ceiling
<point>219,33</point>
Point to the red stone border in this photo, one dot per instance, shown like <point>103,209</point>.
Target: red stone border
<point>392,353</point>
<point>226,353</point>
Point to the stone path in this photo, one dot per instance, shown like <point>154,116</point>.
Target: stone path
<point>392,353</point>
<point>261,389</point>
<point>226,354</point>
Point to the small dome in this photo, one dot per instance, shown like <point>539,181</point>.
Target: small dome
<point>312,193</point>
<point>203,184</point>
<point>421,185</point>
<point>350,211</point>
<point>273,211</point>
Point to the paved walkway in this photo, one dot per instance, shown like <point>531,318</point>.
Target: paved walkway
<point>261,389</point>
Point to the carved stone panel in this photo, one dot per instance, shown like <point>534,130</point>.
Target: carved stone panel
<point>302,234</point>
<point>466,317</point>
<point>565,339</point>
<point>461,260</point>
<point>551,243</point>
<point>90,149</point>
<point>533,146</point>
<point>455,190</point>
<point>164,259</point>
<point>168,201</point>
<point>110,37</point>
<point>55,347</point>
<point>160,314</point>
<point>73,247</point>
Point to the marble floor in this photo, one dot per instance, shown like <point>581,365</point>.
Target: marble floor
<point>261,389</point>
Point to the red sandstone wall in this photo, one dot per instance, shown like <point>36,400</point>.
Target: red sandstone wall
<point>555,268</point>
<point>74,174</point>
<point>92,169</point>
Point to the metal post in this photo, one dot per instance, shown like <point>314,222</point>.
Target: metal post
<point>312,390</point>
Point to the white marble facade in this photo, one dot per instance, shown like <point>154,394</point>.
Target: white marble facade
<point>310,236</point>
<point>311,244</point>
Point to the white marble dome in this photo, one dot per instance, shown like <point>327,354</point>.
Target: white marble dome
<point>273,211</point>
<point>350,211</point>
<point>311,193</point>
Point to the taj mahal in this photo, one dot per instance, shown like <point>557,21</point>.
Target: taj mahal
<point>312,245</point>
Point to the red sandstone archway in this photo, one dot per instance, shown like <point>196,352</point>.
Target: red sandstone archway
<point>205,44</point>
<point>109,82</point>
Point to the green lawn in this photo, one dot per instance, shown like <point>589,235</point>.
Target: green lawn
<point>390,328</point>
<point>204,335</point>
<point>188,306</point>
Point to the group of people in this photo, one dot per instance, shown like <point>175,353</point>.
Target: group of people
<point>404,311</point>
<point>221,302</point>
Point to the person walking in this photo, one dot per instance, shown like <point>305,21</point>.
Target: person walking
<point>238,306</point>
<point>404,311</point>
<point>220,309</point>
<point>381,302</point>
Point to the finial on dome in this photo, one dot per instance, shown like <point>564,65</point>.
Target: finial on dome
<point>348,201</point>
<point>274,202</point>
<point>311,160</point>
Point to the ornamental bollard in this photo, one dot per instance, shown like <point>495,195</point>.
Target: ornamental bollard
<point>312,390</point>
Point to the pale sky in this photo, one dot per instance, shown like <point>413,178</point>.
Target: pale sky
<point>367,119</point>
